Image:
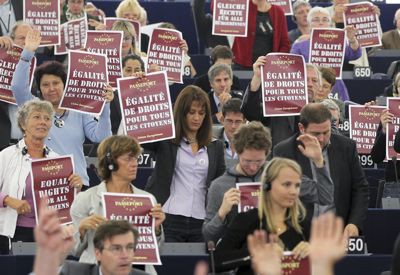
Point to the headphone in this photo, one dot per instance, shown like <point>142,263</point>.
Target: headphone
<point>267,184</point>
<point>24,151</point>
<point>109,162</point>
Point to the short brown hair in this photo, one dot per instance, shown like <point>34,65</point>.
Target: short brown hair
<point>109,229</point>
<point>314,113</point>
<point>113,147</point>
<point>252,136</point>
<point>221,51</point>
<point>328,74</point>
<point>182,106</point>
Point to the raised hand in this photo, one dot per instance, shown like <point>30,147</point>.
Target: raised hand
<point>326,243</point>
<point>260,249</point>
<point>32,40</point>
<point>53,241</point>
<point>386,117</point>
<point>311,148</point>
<point>256,79</point>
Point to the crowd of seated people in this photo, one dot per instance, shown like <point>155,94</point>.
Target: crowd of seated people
<point>305,166</point>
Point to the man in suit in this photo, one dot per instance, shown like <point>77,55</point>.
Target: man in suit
<point>350,185</point>
<point>219,54</point>
<point>231,119</point>
<point>114,241</point>
<point>391,39</point>
<point>220,76</point>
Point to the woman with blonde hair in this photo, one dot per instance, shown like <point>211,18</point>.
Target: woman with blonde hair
<point>129,9</point>
<point>129,38</point>
<point>132,10</point>
<point>280,212</point>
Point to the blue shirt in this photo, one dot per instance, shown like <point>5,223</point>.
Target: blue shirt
<point>70,138</point>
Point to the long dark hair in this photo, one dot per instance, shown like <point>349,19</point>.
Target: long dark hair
<point>182,106</point>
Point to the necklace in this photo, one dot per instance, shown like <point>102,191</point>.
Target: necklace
<point>192,140</point>
<point>58,122</point>
<point>7,28</point>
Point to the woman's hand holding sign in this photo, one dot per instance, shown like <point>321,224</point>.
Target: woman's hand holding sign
<point>90,223</point>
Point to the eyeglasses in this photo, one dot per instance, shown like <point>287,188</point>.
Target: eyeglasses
<point>129,158</point>
<point>233,122</point>
<point>119,249</point>
<point>248,162</point>
<point>127,38</point>
<point>319,20</point>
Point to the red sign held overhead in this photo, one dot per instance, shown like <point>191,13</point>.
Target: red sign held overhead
<point>284,86</point>
<point>327,49</point>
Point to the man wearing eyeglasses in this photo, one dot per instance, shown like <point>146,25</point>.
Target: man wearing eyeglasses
<point>253,144</point>
<point>231,119</point>
<point>114,242</point>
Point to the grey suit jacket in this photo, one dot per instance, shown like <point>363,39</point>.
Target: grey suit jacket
<point>77,268</point>
<point>391,40</point>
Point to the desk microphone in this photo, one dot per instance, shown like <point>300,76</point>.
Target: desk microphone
<point>211,249</point>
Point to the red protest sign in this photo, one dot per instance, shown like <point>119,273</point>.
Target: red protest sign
<point>50,179</point>
<point>249,195</point>
<point>293,266</point>
<point>327,49</point>
<point>164,50</point>
<point>286,5</point>
<point>364,122</point>
<point>135,209</point>
<point>230,17</point>
<point>72,36</point>
<point>108,43</point>
<point>363,17</point>
<point>86,81</point>
<point>8,61</point>
<point>146,107</point>
<point>45,16</point>
<point>284,86</point>
<point>109,21</point>
<point>393,105</point>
